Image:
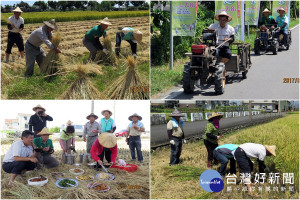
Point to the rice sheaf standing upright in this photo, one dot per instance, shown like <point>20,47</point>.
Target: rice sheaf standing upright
<point>51,61</point>
<point>130,85</point>
<point>111,58</point>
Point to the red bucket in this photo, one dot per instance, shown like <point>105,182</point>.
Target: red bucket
<point>128,167</point>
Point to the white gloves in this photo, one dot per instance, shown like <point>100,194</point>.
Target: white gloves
<point>184,141</point>
<point>105,51</point>
<point>172,142</point>
<point>121,162</point>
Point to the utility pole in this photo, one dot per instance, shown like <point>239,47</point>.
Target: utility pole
<point>92,107</point>
<point>250,110</point>
<point>171,38</point>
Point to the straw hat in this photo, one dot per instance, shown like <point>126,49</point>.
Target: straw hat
<point>69,122</point>
<point>51,24</point>
<point>38,106</point>
<point>224,14</point>
<point>215,115</point>
<point>103,111</point>
<point>17,9</point>
<point>45,131</point>
<point>105,21</point>
<point>92,114</point>
<point>135,115</point>
<point>271,149</point>
<point>266,10</point>
<point>279,9</point>
<point>107,140</point>
<point>138,36</point>
<point>176,113</point>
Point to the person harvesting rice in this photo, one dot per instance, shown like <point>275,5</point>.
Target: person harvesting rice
<point>131,36</point>
<point>211,136</point>
<point>91,39</point>
<point>34,51</point>
<point>15,26</point>
<point>245,152</point>
<point>67,138</point>
<point>105,141</point>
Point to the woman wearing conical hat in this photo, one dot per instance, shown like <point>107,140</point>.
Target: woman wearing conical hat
<point>15,26</point>
<point>108,141</point>
<point>211,136</point>
<point>176,136</point>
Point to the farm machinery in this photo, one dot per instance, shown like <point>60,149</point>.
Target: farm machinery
<point>205,65</point>
<point>266,41</point>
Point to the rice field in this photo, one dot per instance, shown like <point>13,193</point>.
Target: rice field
<point>119,187</point>
<point>73,53</point>
<point>38,17</point>
<point>184,178</point>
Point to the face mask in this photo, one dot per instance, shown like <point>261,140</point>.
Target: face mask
<point>216,122</point>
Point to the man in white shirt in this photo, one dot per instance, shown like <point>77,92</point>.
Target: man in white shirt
<point>245,152</point>
<point>15,25</point>
<point>33,49</point>
<point>225,32</point>
<point>20,157</point>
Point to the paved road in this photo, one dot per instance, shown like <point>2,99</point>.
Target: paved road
<point>159,132</point>
<point>265,79</point>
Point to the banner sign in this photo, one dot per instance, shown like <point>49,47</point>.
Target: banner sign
<point>236,10</point>
<point>281,4</point>
<point>252,12</point>
<point>184,18</point>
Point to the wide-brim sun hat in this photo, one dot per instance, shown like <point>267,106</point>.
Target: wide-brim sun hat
<point>44,131</point>
<point>17,9</point>
<point>69,122</point>
<point>176,113</point>
<point>271,149</point>
<point>107,140</point>
<point>135,115</point>
<point>51,23</point>
<point>215,115</point>
<point>138,36</point>
<point>38,106</point>
<point>103,111</point>
<point>223,13</point>
<point>105,21</point>
<point>266,11</point>
<point>280,9</point>
<point>90,115</point>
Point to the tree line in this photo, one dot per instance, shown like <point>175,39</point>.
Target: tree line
<point>77,5</point>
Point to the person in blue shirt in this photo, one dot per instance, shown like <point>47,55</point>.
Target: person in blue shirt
<point>224,153</point>
<point>131,36</point>
<point>282,21</point>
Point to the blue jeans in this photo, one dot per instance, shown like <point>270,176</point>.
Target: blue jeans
<point>175,151</point>
<point>224,160</point>
<point>285,35</point>
<point>135,143</point>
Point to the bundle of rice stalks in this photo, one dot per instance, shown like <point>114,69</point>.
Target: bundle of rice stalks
<point>82,87</point>
<point>51,61</point>
<point>130,85</point>
<point>5,78</point>
<point>111,58</point>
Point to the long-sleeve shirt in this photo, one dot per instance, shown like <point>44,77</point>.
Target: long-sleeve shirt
<point>175,131</point>
<point>97,149</point>
<point>89,127</point>
<point>40,36</point>
<point>37,123</point>
<point>253,150</point>
<point>38,142</point>
<point>94,34</point>
<point>211,133</point>
<point>227,149</point>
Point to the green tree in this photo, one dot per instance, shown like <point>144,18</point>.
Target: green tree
<point>93,5</point>
<point>23,4</point>
<point>53,4</point>
<point>56,129</point>
<point>106,6</point>
<point>41,4</point>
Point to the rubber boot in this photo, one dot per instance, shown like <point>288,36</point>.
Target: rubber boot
<point>209,164</point>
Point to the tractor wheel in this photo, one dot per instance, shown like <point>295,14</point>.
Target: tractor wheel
<point>220,79</point>
<point>244,74</point>
<point>256,47</point>
<point>188,82</point>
